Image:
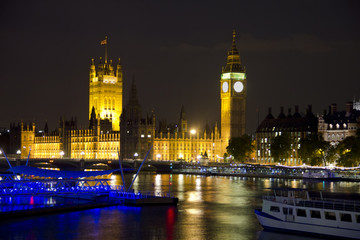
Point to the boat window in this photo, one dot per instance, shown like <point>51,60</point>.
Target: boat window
<point>358,218</point>
<point>330,215</point>
<point>285,211</point>
<point>274,209</point>
<point>290,211</point>
<point>301,212</point>
<point>315,214</point>
<point>345,217</point>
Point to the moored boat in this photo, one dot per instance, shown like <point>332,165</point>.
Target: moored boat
<point>294,211</point>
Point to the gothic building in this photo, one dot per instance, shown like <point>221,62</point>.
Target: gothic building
<point>114,128</point>
<point>233,97</point>
<point>136,133</point>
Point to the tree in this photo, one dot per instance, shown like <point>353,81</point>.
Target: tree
<point>314,150</point>
<point>349,151</point>
<point>280,148</point>
<point>240,147</point>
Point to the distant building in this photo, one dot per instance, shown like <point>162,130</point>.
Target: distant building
<point>296,125</point>
<point>356,105</point>
<point>336,125</point>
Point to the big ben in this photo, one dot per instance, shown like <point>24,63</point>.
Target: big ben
<point>233,96</point>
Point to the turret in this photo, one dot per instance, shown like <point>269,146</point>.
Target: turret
<point>183,121</point>
<point>92,71</point>
<point>119,72</point>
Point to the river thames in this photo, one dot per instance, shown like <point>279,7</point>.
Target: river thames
<point>209,208</point>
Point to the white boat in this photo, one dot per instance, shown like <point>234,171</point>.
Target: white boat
<point>293,211</point>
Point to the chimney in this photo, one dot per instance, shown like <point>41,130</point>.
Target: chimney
<point>333,108</point>
<point>289,113</point>
<point>349,107</point>
<point>310,108</point>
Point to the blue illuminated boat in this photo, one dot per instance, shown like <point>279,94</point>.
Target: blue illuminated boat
<point>294,211</point>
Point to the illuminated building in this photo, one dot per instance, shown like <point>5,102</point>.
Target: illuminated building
<point>106,90</point>
<point>336,125</point>
<point>297,126</point>
<point>113,128</point>
<point>233,97</point>
<point>177,143</point>
<point>174,141</point>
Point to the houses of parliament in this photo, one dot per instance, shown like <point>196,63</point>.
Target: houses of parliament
<point>117,126</point>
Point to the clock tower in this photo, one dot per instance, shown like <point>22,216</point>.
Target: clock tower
<point>233,97</point>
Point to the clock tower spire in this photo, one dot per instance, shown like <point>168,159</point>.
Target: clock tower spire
<point>233,96</point>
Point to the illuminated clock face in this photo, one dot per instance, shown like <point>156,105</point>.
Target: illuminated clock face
<point>225,87</point>
<point>238,87</point>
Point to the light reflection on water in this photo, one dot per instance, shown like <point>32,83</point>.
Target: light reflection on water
<point>209,208</point>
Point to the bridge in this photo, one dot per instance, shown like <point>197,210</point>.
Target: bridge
<point>91,164</point>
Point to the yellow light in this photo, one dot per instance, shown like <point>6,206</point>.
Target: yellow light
<point>192,131</point>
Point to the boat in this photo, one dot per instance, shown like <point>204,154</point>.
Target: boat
<point>299,211</point>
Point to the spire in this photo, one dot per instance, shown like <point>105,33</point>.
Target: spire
<point>233,47</point>
<point>233,59</point>
<point>119,70</point>
<point>46,128</point>
<point>133,108</point>
<point>182,113</point>
<point>133,99</point>
<point>92,120</point>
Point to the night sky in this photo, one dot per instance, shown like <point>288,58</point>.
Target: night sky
<point>295,52</point>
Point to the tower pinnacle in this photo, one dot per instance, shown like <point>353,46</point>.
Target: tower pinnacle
<point>234,42</point>
<point>233,59</point>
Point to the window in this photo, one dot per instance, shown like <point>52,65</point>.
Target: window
<point>285,211</point>
<point>345,217</point>
<point>274,209</point>
<point>330,215</point>
<point>315,214</point>
<point>290,211</point>
<point>358,218</point>
<point>301,212</point>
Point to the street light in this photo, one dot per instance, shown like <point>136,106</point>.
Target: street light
<point>62,154</point>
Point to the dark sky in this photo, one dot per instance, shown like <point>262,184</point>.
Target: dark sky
<point>296,53</point>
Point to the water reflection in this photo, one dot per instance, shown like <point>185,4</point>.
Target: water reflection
<point>209,208</point>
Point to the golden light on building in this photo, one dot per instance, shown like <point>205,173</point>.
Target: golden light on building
<point>133,134</point>
<point>106,90</point>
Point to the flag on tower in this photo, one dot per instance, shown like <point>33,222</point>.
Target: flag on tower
<point>103,42</point>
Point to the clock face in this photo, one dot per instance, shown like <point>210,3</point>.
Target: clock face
<point>225,86</point>
<point>238,87</point>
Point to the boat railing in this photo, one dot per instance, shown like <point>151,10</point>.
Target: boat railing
<point>333,204</point>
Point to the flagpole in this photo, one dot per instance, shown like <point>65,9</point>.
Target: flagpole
<point>105,49</point>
